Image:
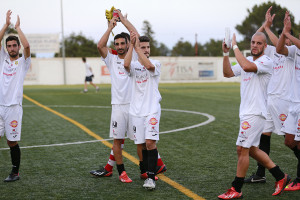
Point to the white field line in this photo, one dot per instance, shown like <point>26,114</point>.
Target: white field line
<point>209,120</point>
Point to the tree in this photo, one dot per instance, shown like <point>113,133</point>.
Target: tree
<point>212,48</point>
<point>256,18</point>
<point>183,48</point>
<point>79,46</point>
<point>147,31</point>
<point>163,50</point>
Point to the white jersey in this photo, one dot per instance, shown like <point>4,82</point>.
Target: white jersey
<point>120,82</point>
<point>254,86</point>
<point>12,78</point>
<point>283,70</point>
<point>294,53</point>
<point>88,71</point>
<point>145,95</point>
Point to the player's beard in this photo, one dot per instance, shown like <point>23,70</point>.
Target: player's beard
<point>258,54</point>
<point>13,54</point>
<point>122,52</point>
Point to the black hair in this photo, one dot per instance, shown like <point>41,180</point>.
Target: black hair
<point>83,59</point>
<point>12,38</point>
<point>280,31</point>
<point>126,35</point>
<point>120,36</point>
<point>144,39</point>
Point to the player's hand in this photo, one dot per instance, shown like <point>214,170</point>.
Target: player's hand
<point>8,17</point>
<point>112,23</point>
<point>234,40</point>
<point>287,23</point>
<point>18,22</point>
<point>224,47</point>
<point>122,18</point>
<point>132,37</point>
<point>269,18</point>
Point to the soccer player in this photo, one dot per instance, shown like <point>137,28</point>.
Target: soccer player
<point>255,72</point>
<point>13,71</point>
<point>144,106</point>
<point>291,126</point>
<point>88,76</point>
<point>279,89</point>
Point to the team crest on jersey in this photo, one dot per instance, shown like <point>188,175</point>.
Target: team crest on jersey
<point>114,124</point>
<point>245,125</point>
<point>134,129</point>
<point>153,121</point>
<point>16,62</point>
<point>13,124</point>
<point>282,117</point>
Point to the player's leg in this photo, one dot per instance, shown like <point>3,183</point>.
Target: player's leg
<point>85,86</point>
<point>13,125</point>
<point>282,179</point>
<point>95,86</point>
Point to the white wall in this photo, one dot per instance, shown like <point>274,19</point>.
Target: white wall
<point>49,71</point>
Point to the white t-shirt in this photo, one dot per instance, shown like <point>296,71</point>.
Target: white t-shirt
<point>145,95</point>
<point>283,70</point>
<point>88,71</point>
<point>12,78</point>
<point>294,53</point>
<point>254,86</point>
<point>120,82</point>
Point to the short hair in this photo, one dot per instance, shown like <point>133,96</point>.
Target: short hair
<point>126,35</point>
<point>280,31</point>
<point>83,59</point>
<point>260,34</point>
<point>120,36</point>
<point>144,39</point>
<point>12,38</point>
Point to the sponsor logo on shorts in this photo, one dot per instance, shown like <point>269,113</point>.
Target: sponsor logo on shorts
<point>153,121</point>
<point>13,124</point>
<point>298,128</point>
<point>243,135</point>
<point>154,132</point>
<point>114,124</point>
<point>14,133</point>
<point>282,117</point>
<point>134,129</point>
<point>245,125</point>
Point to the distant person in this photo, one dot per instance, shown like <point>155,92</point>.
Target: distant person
<point>88,76</point>
<point>255,72</point>
<point>13,71</point>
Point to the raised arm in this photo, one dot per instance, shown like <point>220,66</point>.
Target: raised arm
<point>102,44</point>
<point>245,64</point>
<point>5,26</point>
<point>268,23</point>
<point>127,23</point>
<point>23,39</point>
<point>128,57</point>
<point>280,47</point>
<point>293,39</point>
<point>227,71</point>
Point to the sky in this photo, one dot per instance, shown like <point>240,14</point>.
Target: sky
<point>170,20</point>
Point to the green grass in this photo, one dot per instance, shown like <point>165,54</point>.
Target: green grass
<point>202,159</point>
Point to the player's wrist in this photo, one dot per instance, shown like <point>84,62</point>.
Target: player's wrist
<point>226,54</point>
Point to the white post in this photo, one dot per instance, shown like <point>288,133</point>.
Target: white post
<point>63,43</point>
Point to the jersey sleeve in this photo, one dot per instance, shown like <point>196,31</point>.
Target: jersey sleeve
<point>108,59</point>
<point>236,69</point>
<point>157,65</point>
<point>292,51</point>
<point>2,56</point>
<point>264,65</point>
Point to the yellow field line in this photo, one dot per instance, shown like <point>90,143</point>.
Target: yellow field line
<point>164,178</point>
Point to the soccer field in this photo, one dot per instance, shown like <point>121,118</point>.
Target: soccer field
<point>60,144</point>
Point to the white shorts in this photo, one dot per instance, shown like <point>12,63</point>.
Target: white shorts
<point>145,128</point>
<point>251,128</point>
<point>119,121</point>
<point>278,110</point>
<point>11,122</point>
<point>292,122</point>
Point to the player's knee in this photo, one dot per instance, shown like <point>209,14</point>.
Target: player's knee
<point>12,143</point>
<point>150,144</point>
